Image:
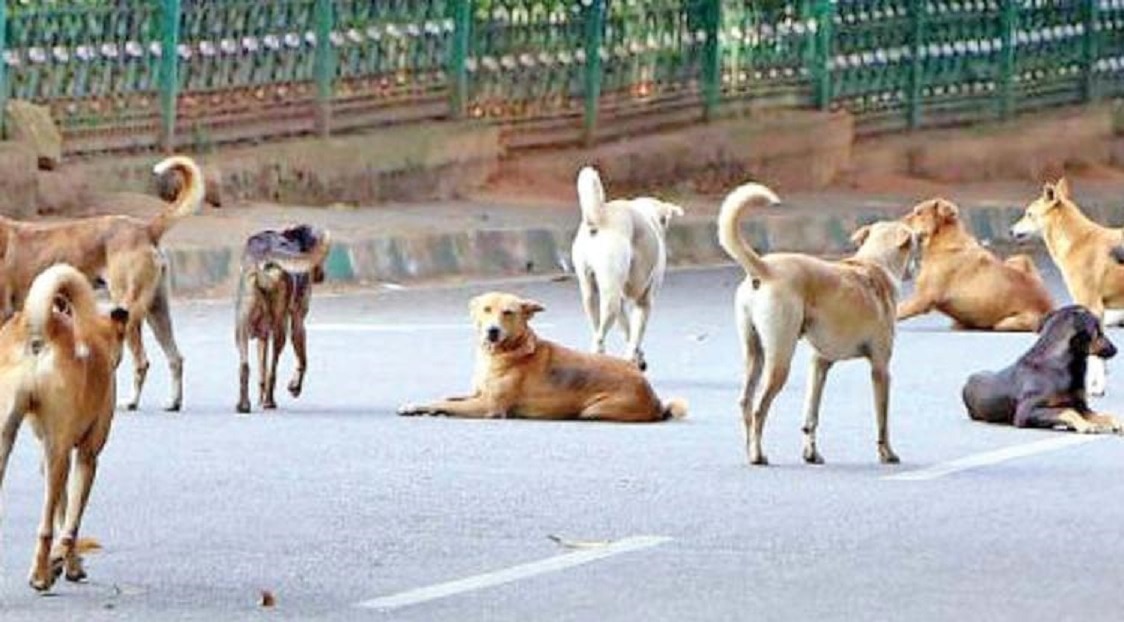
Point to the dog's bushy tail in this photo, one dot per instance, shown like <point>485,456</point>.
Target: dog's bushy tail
<point>743,197</point>
<point>188,200</point>
<point>591,197</point>
<point>60,281</point>
<point>675,408</point>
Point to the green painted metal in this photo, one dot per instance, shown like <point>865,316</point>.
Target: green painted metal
<point>169,87</point>
<point>145,73</point>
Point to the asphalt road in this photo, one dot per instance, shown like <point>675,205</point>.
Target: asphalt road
<point>334,501</point>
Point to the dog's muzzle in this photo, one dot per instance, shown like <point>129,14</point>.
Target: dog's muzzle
<point>493,334</point>
<point>1104,348</point>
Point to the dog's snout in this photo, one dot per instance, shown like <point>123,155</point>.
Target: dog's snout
<point>1105,348</point>
<point>493,334</point>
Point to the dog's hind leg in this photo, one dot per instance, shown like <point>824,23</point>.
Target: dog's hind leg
<point>159,319</point>
<point>819,368</point>
<point>57,459</point>
<point>590,304</point>
<point>299,342</point>
<point>85,469</point>
<point>242,338</point>
<point>1026,321</point>
<point>638,323</point>
<point>13,417</point>
<point>275,357</point>
<point>263,372</point>
<point>609,314</point>
<point>880,378</point>
<point>778,331</point>
<point>140,360</point>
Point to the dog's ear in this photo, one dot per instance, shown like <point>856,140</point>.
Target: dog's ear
<point>860,235</point>
<point>530,307</point>
<point>1061,189</point>
<point>947,210</point>
<point>904,237</point>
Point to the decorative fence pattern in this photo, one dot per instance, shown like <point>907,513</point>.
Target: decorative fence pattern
<point>145,74</point>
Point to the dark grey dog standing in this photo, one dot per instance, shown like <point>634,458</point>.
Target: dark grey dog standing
<point>1045,388</point>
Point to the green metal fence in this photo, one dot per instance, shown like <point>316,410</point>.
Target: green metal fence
<point>145,74</point>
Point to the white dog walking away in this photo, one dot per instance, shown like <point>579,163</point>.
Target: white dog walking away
<point>620,256</point>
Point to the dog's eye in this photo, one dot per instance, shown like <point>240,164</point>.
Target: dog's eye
<point>508,313</point>
<point>487,309</point>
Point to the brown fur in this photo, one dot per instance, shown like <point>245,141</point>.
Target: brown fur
<point>965,281</point>
<point>519,375</point>
<point>273,298</point>
<point>57,370</point>
<point>122,250</point>
<point>1082,249</point>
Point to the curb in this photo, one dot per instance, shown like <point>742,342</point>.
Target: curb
<point>492,253</point>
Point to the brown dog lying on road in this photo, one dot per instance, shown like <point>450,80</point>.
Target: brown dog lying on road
<point>57,369</point>
<point>966,282</point>
<point>278,269</point>
<point>519,375</point>
<point>122,250</point>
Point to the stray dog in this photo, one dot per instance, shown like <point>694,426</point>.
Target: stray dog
<point>963,280</point>
<point>845,309</point>
<point>120,250</point>
<point>57,369</point>
<point>278,269</point>
<point>1086,255</point>
<point>1045,388</point>
<point>620,256</point>
<point>519,375</point>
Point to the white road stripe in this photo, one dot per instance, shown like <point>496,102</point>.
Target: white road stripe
<point>514,573</point>
<point>988,458</point>
<point>397,327</point>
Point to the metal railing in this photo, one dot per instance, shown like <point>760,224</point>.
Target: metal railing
<point>148,74</point>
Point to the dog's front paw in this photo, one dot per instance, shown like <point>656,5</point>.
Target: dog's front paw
<point>812,456</point>
<point>412,410</point>
<point>243,407</point>
<point>887,455</point>
<point>295,388</point>
<point>42,578</point>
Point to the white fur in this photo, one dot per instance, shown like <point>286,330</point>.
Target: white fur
<point>1096,376</point>
<point>620,256</point>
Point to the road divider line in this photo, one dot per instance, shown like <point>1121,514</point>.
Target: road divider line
<point>989,458</point>
<point>514,573</point>
<point>359,327</point>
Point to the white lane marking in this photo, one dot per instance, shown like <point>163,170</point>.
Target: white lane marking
<point>514,573</point>
<point>988,458</point>
<point>403,327</point>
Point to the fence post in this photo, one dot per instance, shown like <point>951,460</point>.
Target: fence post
<point>324,65</point>
<point>712,57</point>
<point>458,60</point>
<point>594,26</point>
<point>1007,62</point>
<point>1091,49</point>
<point>821,63</point>
<point>916,68</point>
<point>169,72</point>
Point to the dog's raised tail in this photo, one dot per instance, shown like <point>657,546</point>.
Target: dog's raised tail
<point>751,195</point>
<point>60,282</point>
<point>675,408</point>
<point>591,197</point>
<point>188,199</point>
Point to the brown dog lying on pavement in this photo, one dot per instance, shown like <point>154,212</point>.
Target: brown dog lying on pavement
<point>966,282</point>
<point>843,309</point>
<point>57,369</point>
<point>519,375</point>
<point>122,250</point>
<point>1045,388</point>
<point>278,269</point>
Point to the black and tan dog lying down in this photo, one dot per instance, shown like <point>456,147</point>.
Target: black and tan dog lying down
<point>1045,388</point>
<point>278,270</point>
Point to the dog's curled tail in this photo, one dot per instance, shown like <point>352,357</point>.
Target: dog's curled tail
<point>675,408</point>
<point>59,281</point>
<point>591,197</point>
<point>188,200</point>
<point>729,225</point>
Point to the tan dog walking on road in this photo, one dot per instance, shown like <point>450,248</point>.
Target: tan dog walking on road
<point>519,375</point>
<point>965,281</point>
<point>57,369</point>
<point>620,256</point>
<point>845,310</point>
<point>1085,253</point>
<point>122,250</point>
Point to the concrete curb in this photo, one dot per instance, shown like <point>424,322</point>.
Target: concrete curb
<point>490,253</point>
